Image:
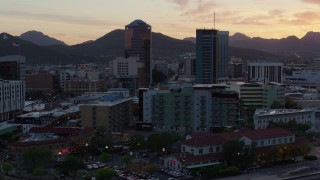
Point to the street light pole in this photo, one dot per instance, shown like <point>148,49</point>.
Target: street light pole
<point>107,147</point>
<point>139,156</point>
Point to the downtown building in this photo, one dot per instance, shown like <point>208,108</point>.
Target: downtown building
<point>79,86</point>
<point>111,112</point>
<point>13,67</point>
<point>124,72</point>
<point>212,56</point>
<point>263,117</point>
<point>205,149</point>
<point>12,86</point>
<point>309,79</point>
<point>261,71</point>
<point>138,44</point>
<point>199,108</point>
<point>259,95</point>
<point>12,96</point>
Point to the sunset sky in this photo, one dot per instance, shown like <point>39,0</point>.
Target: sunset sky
<point>76,21</point>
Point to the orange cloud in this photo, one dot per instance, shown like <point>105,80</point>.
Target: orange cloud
<point>302,18</point>
<point>255,20</point>
<point>201,9</point>
<point>276,12</point>
<point>182,2</point>
<point>312,1</point>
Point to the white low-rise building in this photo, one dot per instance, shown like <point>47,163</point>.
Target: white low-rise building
<point>263,117</point>
<point>204,149</point>
<point>303,78</point>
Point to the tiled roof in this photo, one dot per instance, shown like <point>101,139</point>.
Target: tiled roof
<point>207,139</point>
<point>267,133</point>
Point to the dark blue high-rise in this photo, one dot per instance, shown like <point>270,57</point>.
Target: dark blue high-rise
<point>212,56</point>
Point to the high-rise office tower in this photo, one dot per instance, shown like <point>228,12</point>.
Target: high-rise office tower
<point>12,67</point>
<point>138,44</point>
<point>265,71</point>
<point>212,56</point>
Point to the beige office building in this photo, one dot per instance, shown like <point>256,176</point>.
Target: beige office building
<point>113,116</point>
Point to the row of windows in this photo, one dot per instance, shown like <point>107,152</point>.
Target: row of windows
<point>275,141</point>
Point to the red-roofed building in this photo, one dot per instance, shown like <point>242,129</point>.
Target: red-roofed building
<point>204,149</point>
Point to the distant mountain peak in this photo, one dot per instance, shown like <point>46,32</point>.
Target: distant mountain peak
<point>40,39</point>
<point>240,36</point>
<point>312,36</point>
<point>191,39</point>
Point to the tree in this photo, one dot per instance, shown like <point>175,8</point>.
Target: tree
<point>273,154</point>
<point>39,171</point>
<point>7,166</point>
<point>137,142</point>
<point>36,157</point>
<point>151,168</point>
<point>98,143</point>
<point>292,125</point>
<point>161,140</point>
<point>290,104</point>
<point>53,173</point>
<point>72,164</point>
<point>105,157</point>
<point>158,76</point>
<point>276,105</point>
<point>232,152</point>
<point>250,112</point>
<point>105,174</point>
<point>101,130</point>
<point>126,160</point>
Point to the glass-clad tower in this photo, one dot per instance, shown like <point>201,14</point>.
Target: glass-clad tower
<point>138,44</point>
<point>212,56</point>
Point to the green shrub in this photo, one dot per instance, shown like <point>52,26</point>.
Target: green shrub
<point>310,157</point>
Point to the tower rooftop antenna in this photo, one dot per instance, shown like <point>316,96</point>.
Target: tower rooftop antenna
<point>214,19</point>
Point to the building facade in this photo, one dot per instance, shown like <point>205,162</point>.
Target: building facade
<point>262,117</point>
<point>138,44</point>
<point>258,94</point>
<point>214,107</point>
<point>12,67</point>
<point>303,78</point>
<point>212,56</point>
<point>190,65</point>
<point>259,71</point>
<point>79,86</point>
<point>66,75</point>
<point>236,68</point>
<point>12,97</point>
<point>40,82</point>
<point>125,67</point>
<point>113,115</point>
<point>199,108</point>
<point>203,149</point>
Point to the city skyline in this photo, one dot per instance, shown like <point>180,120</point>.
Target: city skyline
<point>79,21</point>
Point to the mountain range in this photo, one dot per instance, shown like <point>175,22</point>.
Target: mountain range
<point>40,39</point>
<point>40,48</point>
<point>308,45</point>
